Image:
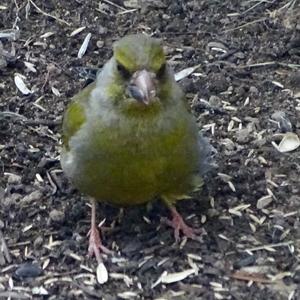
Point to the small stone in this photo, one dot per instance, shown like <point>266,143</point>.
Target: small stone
<point>35,195</point>
<point>38,242</point>
<point>243,136</point>
<point>102,30</point>
<point>253,90</point>
<point>264,201</point>
<point>215,101</point>
<point>260,142</point>
<point>100,44</point>
<point>295,80</point>
<point>11,200</point>
<point>14,179</point>
<point>27,270</point>
<point>217,83</point>
<point>245,261</point>
<point>57,216</point>
<point>283,121</point>
<point>212,212</point>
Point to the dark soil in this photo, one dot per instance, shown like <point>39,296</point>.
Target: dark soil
<point>246,90</point>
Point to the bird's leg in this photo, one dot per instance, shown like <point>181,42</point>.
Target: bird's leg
<point>178,223</point>
<point>95,244</point>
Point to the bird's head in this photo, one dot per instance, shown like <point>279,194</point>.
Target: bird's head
<point>140,69</point>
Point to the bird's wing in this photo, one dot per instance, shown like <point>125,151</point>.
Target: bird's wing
<point>75,114</point>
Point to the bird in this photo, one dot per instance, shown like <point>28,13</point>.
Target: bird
<point>130,137</point>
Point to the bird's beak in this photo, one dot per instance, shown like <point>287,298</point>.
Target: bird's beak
<point>142,86</point>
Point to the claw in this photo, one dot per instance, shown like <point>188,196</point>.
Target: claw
<point>178,224</point>
<point>95,244</point>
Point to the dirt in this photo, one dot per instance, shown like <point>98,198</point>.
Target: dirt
<point>245,93</point>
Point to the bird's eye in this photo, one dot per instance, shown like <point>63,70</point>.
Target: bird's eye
<point>161,72</point>
<point>123,71</point>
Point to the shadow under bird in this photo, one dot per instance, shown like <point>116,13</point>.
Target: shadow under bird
<point>129,137</point>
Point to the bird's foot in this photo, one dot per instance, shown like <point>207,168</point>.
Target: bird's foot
<point>95,244</point>
<point>179,224</point>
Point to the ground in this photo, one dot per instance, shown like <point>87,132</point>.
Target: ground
<point>245,94</point>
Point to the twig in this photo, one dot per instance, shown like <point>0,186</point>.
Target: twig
<point>270,246</point>
<point>252,7</point>
<point>49,15</point>
<point>269,63</point>
<point>115,5</point>
<point>256,277</point>
<point>11,114</point>
<point>42,122</point>
<point>127,11</point>
<point>4,253</point>
<point>14,295</point>
<point>16,116</point>
<point>288,5</point>
<point>245,25</point>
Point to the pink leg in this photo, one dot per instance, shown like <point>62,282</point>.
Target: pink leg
<point>95,244</point>
<point>178,224</point>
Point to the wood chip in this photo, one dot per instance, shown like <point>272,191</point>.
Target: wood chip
<point>127,295</point>
<point>175,277</point>
<point>39,290</point>
<point>264,201</point>
<point>256,277</point>
<point>55,91</point>
<point>78,30</point>
<point>128,281</point>
<point>84,45</point>
<point>289,142</point>
<point>102,274</point>
<point>47,34</point>
<point>185,73</point>
<point>20,84</point>
<point>30,66</point>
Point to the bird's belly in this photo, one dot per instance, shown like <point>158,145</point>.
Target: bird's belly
<point>128,178</point>
<point>128,169</point>
<point>124,182</point>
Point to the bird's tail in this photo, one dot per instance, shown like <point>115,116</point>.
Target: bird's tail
<point>207,156</point>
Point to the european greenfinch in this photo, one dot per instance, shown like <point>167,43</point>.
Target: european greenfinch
<point>129,137</point>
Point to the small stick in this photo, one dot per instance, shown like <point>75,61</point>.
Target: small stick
<point>48,15</point>
<point>4,253</point>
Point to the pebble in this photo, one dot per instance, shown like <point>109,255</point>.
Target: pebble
<point>243,136</point>
<point>283,121</point>
<point>100,44</point>
<point>38,242</point>
<point>253,90</point>
<point>57,216</point>
<point>215,101</point>
<point>35,195</point>
<point>14,179</point>
<point>27,270</point>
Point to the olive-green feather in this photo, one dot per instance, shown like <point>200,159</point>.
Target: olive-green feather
<point>136,51</point>
<point>75,114</point>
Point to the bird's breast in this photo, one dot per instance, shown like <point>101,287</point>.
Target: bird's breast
<point>132,161</point>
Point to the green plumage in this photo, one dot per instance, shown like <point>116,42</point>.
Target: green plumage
<point>121,152</point>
